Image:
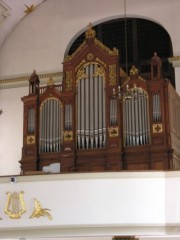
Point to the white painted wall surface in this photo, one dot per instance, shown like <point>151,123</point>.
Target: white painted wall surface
<point>40,40</point>
<point>11,130</point>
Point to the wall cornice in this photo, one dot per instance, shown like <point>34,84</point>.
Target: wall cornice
<point>175,61</point>
<point>22,80</point>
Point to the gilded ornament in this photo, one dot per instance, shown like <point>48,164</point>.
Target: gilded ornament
<point>113,131</point>
<point>99,71</point>
<point>157,128</point>
<point>31,139</point>
<point>101,62</point>
<point>177,58</point>
<point>133,71</point>
<point>90,56</point>
<point>81,73</point>
<point>80,64</point>
<point>112,75</point>
<point>15,205</point>
<point>68,136</point>
<point>113,52</point>
<point>39,211</point>
<point>50,81</point>
<point>69,58</point>
<point>90,33</point>
<point>69,81</point>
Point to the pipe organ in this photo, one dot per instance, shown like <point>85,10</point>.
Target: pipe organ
<point>97,121</point>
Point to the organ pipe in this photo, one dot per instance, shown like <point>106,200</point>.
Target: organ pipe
<point>31,121</point>
<point>136,119</point>
<point>50,126</point>
<point>91,124</point>
<point>156,108</point>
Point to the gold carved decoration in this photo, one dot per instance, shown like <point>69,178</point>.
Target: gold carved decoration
<point>68,136</point>
<point>81,74</point>
<point>69,81</point>
<point>157,128</point>
<point>79,65</point>
<point>100,61</point>
<point>69,58</point>
<point>39,211</point>
<point>177,58</point>
<point>112,75</point>
<point>90,56</point>
<point>99,71</point>
<point>133,71</point>
<point>113,52</point>
<point>31,139</point>
<point>113,132</point>
<point>15,205</point>
<point>50,81</point>
<point>90,33</point>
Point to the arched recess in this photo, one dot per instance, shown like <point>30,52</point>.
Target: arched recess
<point>137,39</point>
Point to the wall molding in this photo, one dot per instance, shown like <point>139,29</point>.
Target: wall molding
<point>22,80</point>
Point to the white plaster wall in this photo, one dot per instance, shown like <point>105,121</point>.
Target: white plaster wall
<point>40,40</point>
<point>11,130</point>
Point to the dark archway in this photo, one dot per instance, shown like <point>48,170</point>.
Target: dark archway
<point>142,38</point>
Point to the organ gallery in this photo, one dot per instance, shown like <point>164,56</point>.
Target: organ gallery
<point>100,120</point>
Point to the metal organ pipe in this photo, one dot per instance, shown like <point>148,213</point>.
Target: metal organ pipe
<point>31,121</point>
<point>50,126</point>
<point>68,117</point>
<point>136,119</point>
<point>156,108</point>
<point>91,124</point>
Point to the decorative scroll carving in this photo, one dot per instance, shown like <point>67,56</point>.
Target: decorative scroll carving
<point>81,74</point>
<point>39,211</point>
<point>80,64</point>
<point>69,81</point>
<point>112,75</point>
<point>113,52</point>
<point>101,62</point>
<point>15,205</point>
<point>99,71</point>
<point>69,58</point>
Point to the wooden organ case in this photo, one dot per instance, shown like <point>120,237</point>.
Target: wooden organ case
<point>88,123</point>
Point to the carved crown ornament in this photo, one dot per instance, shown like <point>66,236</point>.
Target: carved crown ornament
<point>15,207</point>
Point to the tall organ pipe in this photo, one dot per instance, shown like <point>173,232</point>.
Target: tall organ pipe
<point>50,126</point>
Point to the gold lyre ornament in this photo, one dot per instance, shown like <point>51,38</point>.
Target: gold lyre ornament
<point>15,205</point>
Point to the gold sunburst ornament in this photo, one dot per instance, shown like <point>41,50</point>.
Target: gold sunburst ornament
<point>39,211</point>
